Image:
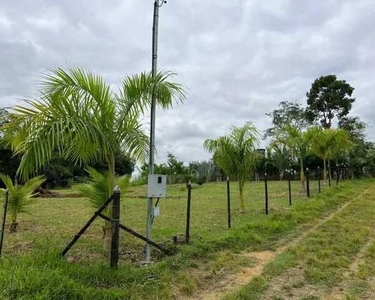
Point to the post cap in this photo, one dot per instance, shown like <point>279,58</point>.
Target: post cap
<point>117,189</point>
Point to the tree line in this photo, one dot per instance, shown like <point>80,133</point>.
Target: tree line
<point>298,136</point>
<point>79,124</point>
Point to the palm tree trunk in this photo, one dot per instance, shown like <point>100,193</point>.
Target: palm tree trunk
<point>13,225</point>
<point>302,175</point>
<point>329,170</point>
<point>107,228</point>
<point>324,170</point>
<point>242,201</point>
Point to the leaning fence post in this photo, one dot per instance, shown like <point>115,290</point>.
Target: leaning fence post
<point>228,202</point>
<point>307,183</point>
<point>4,220</point>
<point>266,192</point>
<point>87,225</point>
<point>187,234</point>
<point>115,227</point>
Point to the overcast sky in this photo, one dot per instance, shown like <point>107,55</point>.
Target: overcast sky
<point>238,58</point>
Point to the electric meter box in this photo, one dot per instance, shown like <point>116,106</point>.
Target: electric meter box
<point>157,186</point>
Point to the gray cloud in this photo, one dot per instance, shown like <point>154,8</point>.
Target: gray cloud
<point>239,58</point>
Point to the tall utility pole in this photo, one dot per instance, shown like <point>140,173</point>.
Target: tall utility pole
<point>155,26</point>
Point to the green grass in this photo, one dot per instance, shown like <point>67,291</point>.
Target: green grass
<point>322,259</point>
<point>31,268</point>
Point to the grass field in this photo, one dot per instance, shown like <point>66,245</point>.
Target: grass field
<point>31,269</point>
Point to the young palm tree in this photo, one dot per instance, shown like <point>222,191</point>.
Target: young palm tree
<point>236,154</point>
<point>279,155</point>
<point>20,197</point>
<point>299,142</point>
<point>97,190</point>
<point>82,118</point>
<point>328,143</point>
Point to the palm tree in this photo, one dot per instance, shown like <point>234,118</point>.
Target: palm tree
<point>97,189</point>
<point>279,155</point>
<point>82,118</point>
<point>20,197</point>
<point>328,143</point>
<point>299,142</point>
<point>236,154</point>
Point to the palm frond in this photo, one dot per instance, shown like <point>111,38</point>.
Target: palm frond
<point>137,90</point>
<point>99,188</point>
<point>236,153</point>
<point>79,116</point>
<point>20,196</point>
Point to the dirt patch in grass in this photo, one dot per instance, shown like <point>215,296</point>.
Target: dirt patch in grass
<point>232,282</point>
<point>228,283</point>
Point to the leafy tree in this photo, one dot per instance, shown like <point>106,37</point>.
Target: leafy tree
<point>174,166</point>
<point>369,166</point>
<point>357,159</point>
<point>299,143</point>
<point>354,126</point>
<point>20,197</point>
<point>279,155</point>
<point>236,154</point>
<point>8,163</point>
<point>291,113</point>
<point>124,165</point>
<point>327,98</point>
<point>328,143</point>
<point>79,116</point>
<point>58,172</point>
<point>204,171</point>
<point>144,171</point>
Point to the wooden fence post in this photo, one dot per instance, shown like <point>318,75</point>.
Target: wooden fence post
<point>4,220</point>
<point>266,192</point>
<point>329,174</point>
<point>115,227</point>
<point>307,183</point>
<point>319,178</point>
<point>187,234</point>
<point>228,202</point>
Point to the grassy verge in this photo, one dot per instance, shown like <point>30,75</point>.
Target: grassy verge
<point>320,262</point>
<point>31,268</point>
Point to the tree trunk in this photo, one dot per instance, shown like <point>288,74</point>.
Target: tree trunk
<point>242,201</point>
<point>302,176</point>
<point>324,170</point>
<point>13,226</point>
<point>281,175</point>
<point>107,235</point>
<point>329,170</point>
<point>107,228</point>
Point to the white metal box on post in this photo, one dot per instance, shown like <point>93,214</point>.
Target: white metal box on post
<point>157,186</point>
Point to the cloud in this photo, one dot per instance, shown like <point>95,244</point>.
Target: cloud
<point>239,59</point>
